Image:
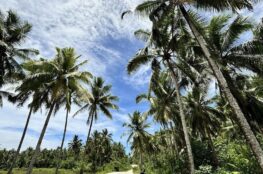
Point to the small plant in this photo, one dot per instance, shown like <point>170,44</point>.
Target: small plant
<point>204,170</point>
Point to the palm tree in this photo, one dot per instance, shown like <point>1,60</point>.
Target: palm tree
<point>39,97</point>
<point>240,117</point>
<point>205,119</point>
<point>106,143</point>
<point>138,136</point>
<point>245,55</point>
<point>75,146</point>
<point>13,31</point>
<point>160,47</point>
<point>157,9</point>
<point>100,100</point>
<point>59,75</point>
<point>73,93</point>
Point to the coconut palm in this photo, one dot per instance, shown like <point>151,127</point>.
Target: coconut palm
<point>39,97</point>
<point>205,119</point>
<point>13,31</point>
<point>71,96</point>
<point>157,9</point>
<point>75,146</point>
<point>100,100</point>
<point>162,99</point>
<point>138,135</point>
<point>161,44</point>
<point>242,56</point>
<point>59,75</point>
<point>106,149</point>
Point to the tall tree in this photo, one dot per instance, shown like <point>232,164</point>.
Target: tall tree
<point>59,75</point>
<point>39,96</point>
<point>75,146</point>
<point>205,119</point>
<point>138,135</point>
<point>156,9</point>
<point>13,31</point>
<point>100,100</point>
<point>161,43</point>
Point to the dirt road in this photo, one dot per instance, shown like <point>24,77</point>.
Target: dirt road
<point>127,172</point>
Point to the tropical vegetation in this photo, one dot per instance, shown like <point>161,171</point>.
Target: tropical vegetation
<point>204,101</point>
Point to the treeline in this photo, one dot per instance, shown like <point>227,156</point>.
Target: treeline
<point>99,152</point>
<point>205,89</point>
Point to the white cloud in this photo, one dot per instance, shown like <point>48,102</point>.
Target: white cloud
<point>13,120</point>
<point>140,78</point>
<point>84,25</point>
<point>80,24</point>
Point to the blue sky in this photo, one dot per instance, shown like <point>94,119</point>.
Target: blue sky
<point>95,30</point>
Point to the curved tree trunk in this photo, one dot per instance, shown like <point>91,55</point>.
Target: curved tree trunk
<point>241,119</point>
<point>21,141</point>
<point>62,143</point>
<point>37,150</point>
<point>182,117</point>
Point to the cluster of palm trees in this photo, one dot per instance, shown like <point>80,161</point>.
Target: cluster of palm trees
<point>188,54</point>
<point>100,148</point>
<point>49,83</point>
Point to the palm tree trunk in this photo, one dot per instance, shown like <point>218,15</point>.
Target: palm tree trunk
<point>30,168</point>
<point>2,64</point>
<point>141,160</point>
<point>182,117</point>
<point>214,155</point>
<point>91,122</point>
<point>241,119</point>
<point>62,143</point>
<point>21,141</point>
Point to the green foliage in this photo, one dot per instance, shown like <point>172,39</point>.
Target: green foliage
<point>204,170</point>
<point>101,154</point>
<point>114,166</point>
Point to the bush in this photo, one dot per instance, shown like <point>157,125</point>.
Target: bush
<point>204,170</point>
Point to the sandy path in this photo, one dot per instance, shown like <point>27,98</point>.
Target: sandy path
<point>127,172</point>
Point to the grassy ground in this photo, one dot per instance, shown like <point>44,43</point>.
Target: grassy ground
<point>39,171</point>
<point>136,170</point>
<point>106,170</point>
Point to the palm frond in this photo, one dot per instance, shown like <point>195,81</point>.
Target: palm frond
<point>137,62</point>
<point>236,28</point>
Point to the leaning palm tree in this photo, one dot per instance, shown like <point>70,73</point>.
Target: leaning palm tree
<point>245,55</point>
<point>138,135</point>
<point>59,75</point>
<point>39,97</point>
<point>13,31</point>
<point>100,100</point>
<point>157,9</point>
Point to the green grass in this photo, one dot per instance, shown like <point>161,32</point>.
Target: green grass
<point>107,169</point>
<point>40,171</point>
<point>110,167</point>
<point>136,170</point>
